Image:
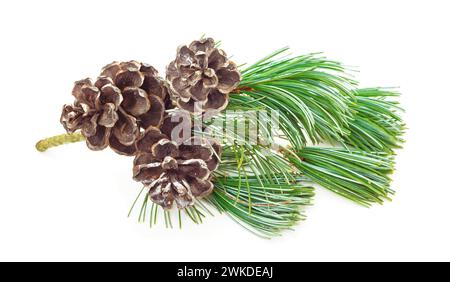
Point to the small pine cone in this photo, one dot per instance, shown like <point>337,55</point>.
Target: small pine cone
<point>175,172</point>
<point>110,111</point>
<point>201,77</point>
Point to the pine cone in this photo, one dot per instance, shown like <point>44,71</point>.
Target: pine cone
<point>132,77</point>
<point>110,111</point>
<point>173,172</point>
<point>202,76</point>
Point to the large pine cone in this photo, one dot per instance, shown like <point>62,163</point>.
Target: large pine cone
<point>175,172</point>
<point>110,111</point>
<point>201,77</point>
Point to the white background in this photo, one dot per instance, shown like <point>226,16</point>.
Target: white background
<point>71,203</point>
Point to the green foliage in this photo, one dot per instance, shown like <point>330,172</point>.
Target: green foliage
<point>377,125</point>
<point>265,209</point>
<point>359,176</point>
<point>260,190</point>
<point>318,103</point>
<point>151,212</point>
<point>312,95</point>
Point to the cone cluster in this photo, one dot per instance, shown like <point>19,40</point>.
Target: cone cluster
<point>135,112</point>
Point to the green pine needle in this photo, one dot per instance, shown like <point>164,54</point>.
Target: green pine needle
<point>260,189</point>
<point>377,125</point>
<point>312,93</point>
<point>272,209</point>
<point>195,213</point>
<point>359,176</point>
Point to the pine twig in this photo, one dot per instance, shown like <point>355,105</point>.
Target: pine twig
<point>47,143</point>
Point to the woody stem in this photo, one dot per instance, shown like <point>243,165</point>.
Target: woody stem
<point>57,140</point>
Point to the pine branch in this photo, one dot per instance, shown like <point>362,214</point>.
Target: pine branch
<point>312,95</point>
<point>256,187</point>
<point>359,176</point>
<point>309,93</point>
<point>266,191</point>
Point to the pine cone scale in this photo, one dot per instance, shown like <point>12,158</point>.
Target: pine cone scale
<point>126,129</point>
<point>217,59</point>
<point>99,140</point>
<point>202,45</point>
<point>150,137</point>
<point>228,79</point>
<point>154,116</point>
<point>120,148</point>
<point>89,127</point>
<point>72,118</point>
<point>165,148</point>
<point>108,94</point>
<point>194,167</point>
<point>217,101</point>
<point>109,116</point>
<point>147,172</point>
<point>135,101</point>
<point>199,92</point>
<point>129,78</point>
<point>199,188</point>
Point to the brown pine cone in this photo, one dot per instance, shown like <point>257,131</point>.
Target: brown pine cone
<point>110,111</point>
<point>175,172</point>
<point>201,77</point>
